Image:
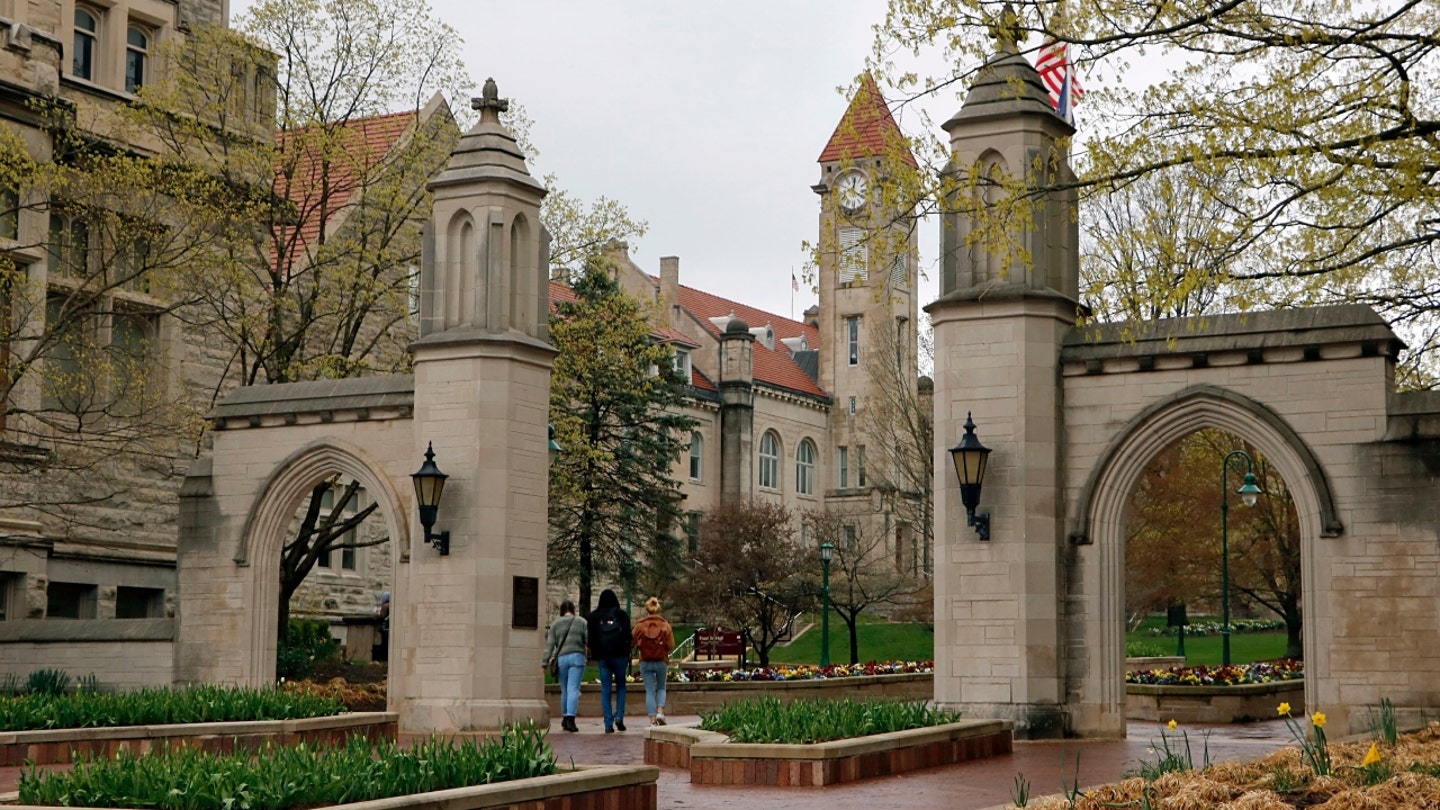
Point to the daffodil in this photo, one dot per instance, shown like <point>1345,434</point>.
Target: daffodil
<point>1172,724</point>
<point>1372,756</point>
<point>1318,719</point>
<point>1284,708</point>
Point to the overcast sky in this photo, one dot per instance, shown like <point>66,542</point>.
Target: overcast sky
<point>705,119</point>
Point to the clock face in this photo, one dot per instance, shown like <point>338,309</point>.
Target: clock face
<point>851,191</point>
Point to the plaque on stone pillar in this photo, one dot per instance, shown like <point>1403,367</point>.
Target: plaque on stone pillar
<point>525,603</point>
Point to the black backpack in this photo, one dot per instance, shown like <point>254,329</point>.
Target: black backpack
<point>613,639</point>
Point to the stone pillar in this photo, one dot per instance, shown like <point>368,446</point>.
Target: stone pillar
<point>482,388</point>
<point>737,411</point>
<point>999,326</point>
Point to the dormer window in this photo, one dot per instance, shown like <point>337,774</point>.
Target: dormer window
<point>87,32</point>
<point>137,54</point>
<point>682,364</point>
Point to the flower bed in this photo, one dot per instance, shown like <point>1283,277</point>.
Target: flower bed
<point>52,746</point>
<point>1233,694</point>
<point>1284,669</point>
<point>196,704</point>
<point>695,697</point>
<point>713,760</point>
<point>799,672</point>
<point>767,720</point>
<point>1361,774</point>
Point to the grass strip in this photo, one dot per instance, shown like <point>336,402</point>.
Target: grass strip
<point>195,704</point>
<point>281,778</point>
<point>767,720</point>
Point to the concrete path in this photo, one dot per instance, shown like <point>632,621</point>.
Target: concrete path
<point>969,786</point>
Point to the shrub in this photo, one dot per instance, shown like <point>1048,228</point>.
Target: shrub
<point>281,778</point>
<point>48,682</point>
<point>767,720</point>
<point>307,643</point>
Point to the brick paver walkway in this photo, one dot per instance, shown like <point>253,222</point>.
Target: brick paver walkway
<point>968,786</point>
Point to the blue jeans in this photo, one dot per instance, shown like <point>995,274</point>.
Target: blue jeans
<point>572,666</point>
<point>654,674</point>
<point>612,669</point>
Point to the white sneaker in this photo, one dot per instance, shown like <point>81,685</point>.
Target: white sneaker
<point>660,718</point>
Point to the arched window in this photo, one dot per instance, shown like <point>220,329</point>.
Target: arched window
<point>137,52</point>
<point>770,461</point>
<point>805,468</point>
<point>87,29</point>
<point>697,450</point>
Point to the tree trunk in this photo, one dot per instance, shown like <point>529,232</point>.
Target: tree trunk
<point>851,622</point>
<point>1294,627</point>
<point>587,573</point>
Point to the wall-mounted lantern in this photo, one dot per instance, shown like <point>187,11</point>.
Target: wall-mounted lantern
<point>970,457</point>
<point>429,484</point>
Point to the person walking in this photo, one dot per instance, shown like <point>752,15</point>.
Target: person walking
<point>655,639</point>
<point>610,641</point>
<point>565,658</point>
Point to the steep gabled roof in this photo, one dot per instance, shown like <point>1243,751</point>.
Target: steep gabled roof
<point>320,179</point>
<point>867,129</point>
<point>774,367</point>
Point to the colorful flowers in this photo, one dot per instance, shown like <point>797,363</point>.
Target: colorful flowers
<point>800,672</point>
<point>1284,669</point>
<point>1371,757</point>
<point>1283,709</point>
<point>1318,719</point>
<point>1172,725</point>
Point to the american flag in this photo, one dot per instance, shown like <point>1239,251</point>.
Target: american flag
<point>794,283</point>
<point>1059,77</point>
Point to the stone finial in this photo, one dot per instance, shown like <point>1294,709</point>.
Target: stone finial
<point>1005,30</point>
<point>490,104</point>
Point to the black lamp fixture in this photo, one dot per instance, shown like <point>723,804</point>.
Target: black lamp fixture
<point>970,457</point>
<point>429,484</point>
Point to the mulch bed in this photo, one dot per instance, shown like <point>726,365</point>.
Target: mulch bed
<point>1282,781</point>
<point>357,697</point>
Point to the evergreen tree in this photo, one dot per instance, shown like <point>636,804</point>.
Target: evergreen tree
<point>615,402</point>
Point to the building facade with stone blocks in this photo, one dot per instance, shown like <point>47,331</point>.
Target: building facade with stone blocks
<point>91,455</point>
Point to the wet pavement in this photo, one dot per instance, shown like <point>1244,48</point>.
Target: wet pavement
<point>974,785</point>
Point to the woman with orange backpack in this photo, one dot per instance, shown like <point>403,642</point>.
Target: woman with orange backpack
<point>655,639</point>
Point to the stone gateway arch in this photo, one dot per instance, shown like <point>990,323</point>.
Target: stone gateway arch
<point>1030,625</point>
<point>466,628</point>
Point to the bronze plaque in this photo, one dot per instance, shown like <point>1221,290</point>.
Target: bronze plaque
<point>525,602</point>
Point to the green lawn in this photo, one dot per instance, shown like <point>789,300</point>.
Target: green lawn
<point>1244,647</point>
<point>878,641</point>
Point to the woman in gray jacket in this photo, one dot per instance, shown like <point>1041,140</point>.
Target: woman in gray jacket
<point>566,642</point>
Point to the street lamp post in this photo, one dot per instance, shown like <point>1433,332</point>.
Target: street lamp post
<point>1248,492</point>
<point>826,552</point>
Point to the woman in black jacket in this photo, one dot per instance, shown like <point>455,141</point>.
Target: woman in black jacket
<point>610,647</point>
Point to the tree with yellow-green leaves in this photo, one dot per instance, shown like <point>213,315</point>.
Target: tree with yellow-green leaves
<point>1307,131</point>
<point>99,241</point>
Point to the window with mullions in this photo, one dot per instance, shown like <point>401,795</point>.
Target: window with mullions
<point>697,450</point>
<point>346,542</point>
<point>852,338</point>
<point>133,338</point>
<point>770,461</point>
<point>68,247</point>
<point>137,54</point>
<point>87,34</point>
<point>805,468</point>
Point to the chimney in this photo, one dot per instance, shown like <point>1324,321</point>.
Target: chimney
<point>670,288</point>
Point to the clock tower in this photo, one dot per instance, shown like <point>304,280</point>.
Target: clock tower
<point>868,265</point>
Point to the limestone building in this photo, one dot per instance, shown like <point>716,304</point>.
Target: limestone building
<point>87,530</point>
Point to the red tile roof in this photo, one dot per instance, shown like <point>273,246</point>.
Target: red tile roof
<point>319,192</point>
<point>773,367</point>
<point>867,129</point>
